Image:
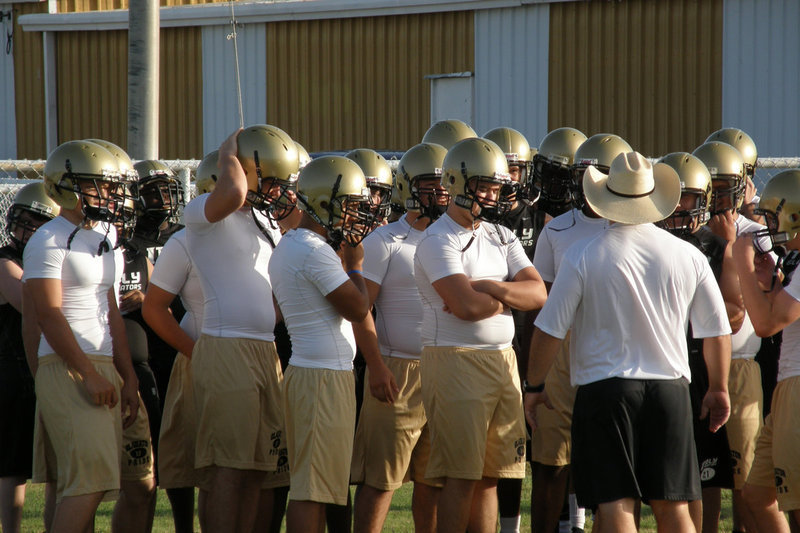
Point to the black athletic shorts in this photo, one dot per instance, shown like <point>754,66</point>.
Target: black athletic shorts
<point>633,439</point>
<point>17,411</point>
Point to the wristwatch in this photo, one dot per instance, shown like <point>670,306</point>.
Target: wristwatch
<point>527,387</point>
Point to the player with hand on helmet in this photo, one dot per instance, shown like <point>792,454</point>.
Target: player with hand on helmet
<point>770,488</point>
<point>392,441</point>
<point>70,261</point>
<point>470,271</point>
<point>728,181</point>
<point>230,247</point>
<point>30,209</point>
<point>319,293</point>
<point>689,223</point>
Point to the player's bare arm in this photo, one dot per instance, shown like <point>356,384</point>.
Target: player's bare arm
<point>769,315</point>
<point>129,393</point>
<point>464,301</point>
<point>525,292</point>
<point>382,384</point>
<point>46,297</point>
<point>156,312</point>
<point>231,188</point>
<point>716,403</point>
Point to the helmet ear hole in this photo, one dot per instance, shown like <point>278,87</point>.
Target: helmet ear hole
<point>323,204</point>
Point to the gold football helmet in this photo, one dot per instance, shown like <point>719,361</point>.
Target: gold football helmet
<point>552,169</point>
<point>467,166</point>
<point>728,182</point>
<point>694,209</point>
<point>518,155</point>
<point>780,207</point>
<point>207,173</point>
<point>270,161</point>
<point>85,172</point>
<point>598,150</point>
<point>379,179</point>
<point>333,191</point>
<point>423,163</point>
<point>448,132</point>
<point>30,209</point>
<point>742,142</point>
<point>160,202</point>
<point>302,155</point>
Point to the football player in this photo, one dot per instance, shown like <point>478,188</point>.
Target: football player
<point>470,271</point>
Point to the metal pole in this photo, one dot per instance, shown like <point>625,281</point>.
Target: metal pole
<point>143,68</point>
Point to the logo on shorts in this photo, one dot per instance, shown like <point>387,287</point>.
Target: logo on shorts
<point>283,462</point>
<point>735,458</point>
<point>708,469</point>
<point>276,437</point>
<point>780,481</point>
<point>138,452</point>
<point>519,444</point>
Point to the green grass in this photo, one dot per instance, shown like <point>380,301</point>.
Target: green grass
<point>399,518</point>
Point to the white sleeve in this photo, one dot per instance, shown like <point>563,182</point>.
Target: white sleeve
<point>43,257</point>
<point>194,214</point>
<point>793,288</point>
<point>439,258</point>
<point>543,258</point>
<point>172,268</point>
<point>516,258</point>
<point>324,269</point>
<point>707,313</point>
<point>376,258</point>
<point>558,313</point>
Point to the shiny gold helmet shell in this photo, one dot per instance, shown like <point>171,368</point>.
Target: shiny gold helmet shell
<point>469,163</point>
<point>334,193</point>
<point>725,163</point>
<point>448,132</point>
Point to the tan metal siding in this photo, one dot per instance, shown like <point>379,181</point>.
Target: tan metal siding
<point>347,83</point>
<point>181,86</point>
<point>648,71</point>
<point>92,70</point>
<point>74,6</point>
<point>92,89</point>
<point>29,86</point>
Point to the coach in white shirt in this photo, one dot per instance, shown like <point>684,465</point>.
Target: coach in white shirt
<point>628,294</point>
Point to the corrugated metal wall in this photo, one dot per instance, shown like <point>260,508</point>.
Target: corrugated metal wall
<point>70,6</point>
<point>761,73</point>
<point>181,101</point>
<point>511,69</point>
<point>29,86</point>
<point>648,71</point>
<point>341,84</point>
<point>92,70</point>
<point>220,105</point>
<point>92,77</point>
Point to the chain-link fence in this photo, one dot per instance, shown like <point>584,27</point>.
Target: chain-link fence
<point>14,173</point>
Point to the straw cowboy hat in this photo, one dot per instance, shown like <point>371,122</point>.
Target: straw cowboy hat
<point>634,191</point>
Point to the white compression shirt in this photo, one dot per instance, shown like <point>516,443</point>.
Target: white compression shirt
<point>231,257</point>
<point>86,278</point>
<point>493,253</point>
<point>389,262</point>
<point>304,269</point>
<point>174,273</point>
